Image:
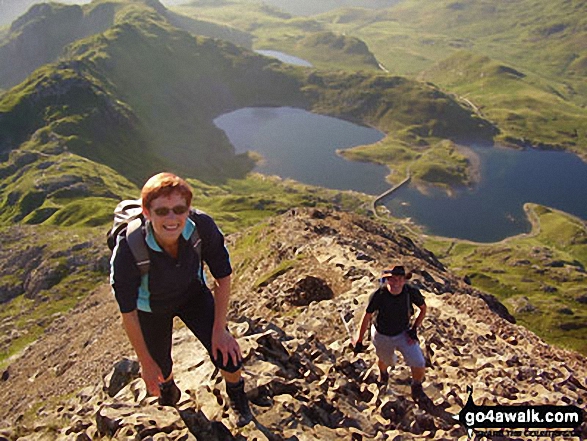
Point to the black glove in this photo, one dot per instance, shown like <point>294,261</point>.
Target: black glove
<point>413,333</point>
<point>358,348</point>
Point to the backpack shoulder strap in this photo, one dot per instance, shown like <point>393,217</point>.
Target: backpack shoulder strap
<point>195,240</point>
<point>409,299</point>
<point>138,246</point>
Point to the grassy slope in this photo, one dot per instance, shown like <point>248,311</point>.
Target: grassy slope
<point>300,36</point>
<point>541,40</point>
<point>69,106</point>
<point>527,109</point>
<point>54,186</point>
<point>46,270</point>
<point>519,64</point>
<point>540,276</point>
<point>415,117</point>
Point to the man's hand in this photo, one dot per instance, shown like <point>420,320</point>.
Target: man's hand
<point>357,345</point>
<point>413,335</point>
<point>226,344</point>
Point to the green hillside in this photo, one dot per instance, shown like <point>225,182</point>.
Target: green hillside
<point>528,109</point>
<point>54,186</point>
<point>543,106</point>
<point>540,276</point>
<point>330,51</point>
<point>41,34</point>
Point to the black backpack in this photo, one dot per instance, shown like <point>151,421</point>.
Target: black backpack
<point>128,215</point>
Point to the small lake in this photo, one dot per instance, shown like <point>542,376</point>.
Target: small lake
<point>285,58</point>
<point>493,209</point>
<point>301,145</point>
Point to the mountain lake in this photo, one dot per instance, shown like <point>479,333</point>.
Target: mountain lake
<point>302,146</point>
<point>285,58</point>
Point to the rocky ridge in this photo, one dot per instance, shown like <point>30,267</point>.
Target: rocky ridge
<point>300,280</point>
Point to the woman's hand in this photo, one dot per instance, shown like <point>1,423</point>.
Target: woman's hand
<point>226,344</point>
<point>152,376</point>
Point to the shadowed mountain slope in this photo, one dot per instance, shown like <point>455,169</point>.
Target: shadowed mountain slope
<point>41,34</point>
<point>311,270</point>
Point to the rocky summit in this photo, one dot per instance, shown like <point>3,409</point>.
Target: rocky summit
<point>301,282</point>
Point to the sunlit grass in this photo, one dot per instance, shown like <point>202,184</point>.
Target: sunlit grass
<point>538,276</point>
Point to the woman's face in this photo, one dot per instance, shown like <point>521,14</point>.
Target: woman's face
<point>168,215</point>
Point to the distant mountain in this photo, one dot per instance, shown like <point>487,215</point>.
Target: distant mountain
<point>40,35</point>
<point>313,7</point>
<point>11,9</point>
<point>141,97</point>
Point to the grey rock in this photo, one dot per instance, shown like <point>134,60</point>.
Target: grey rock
<point>124,372</point>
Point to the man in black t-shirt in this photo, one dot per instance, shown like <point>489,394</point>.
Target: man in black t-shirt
<point>391,304</point>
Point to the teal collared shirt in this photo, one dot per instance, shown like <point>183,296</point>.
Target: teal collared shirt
<point>144,298</point>
<point>188,229</point>
<point>170,281</point>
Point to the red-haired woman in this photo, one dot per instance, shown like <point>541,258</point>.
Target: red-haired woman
<point>175,286</point>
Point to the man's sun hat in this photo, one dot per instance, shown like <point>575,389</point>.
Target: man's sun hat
<point>396,270</point>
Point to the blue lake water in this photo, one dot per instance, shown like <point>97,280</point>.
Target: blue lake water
<point>493,209</point>
<point>285,58</point>
<point>301,145</point>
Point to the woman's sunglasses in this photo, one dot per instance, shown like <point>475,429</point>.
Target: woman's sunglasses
<point>164,211</point>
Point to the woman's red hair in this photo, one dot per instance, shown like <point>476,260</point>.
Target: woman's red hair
<point>164,184</point>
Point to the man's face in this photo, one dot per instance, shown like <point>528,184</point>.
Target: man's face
<point>395,283</point>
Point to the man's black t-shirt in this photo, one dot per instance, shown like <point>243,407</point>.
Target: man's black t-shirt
<point>393,311</point>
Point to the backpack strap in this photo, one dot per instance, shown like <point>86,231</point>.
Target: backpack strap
<point>196,243</point>
<point>138,246</point>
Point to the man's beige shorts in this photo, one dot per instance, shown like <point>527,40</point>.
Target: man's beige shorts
<point>385,347</point>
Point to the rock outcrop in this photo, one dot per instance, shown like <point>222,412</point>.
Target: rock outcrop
<point>302,379</point>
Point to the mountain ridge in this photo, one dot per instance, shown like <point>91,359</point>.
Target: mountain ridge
<point>296,356</point>
<point>41,35</point>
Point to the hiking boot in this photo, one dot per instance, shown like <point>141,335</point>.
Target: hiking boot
<point>239,402</point>
<point>383,378</point>
<point>418,392</point>
<point>170,393</point>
